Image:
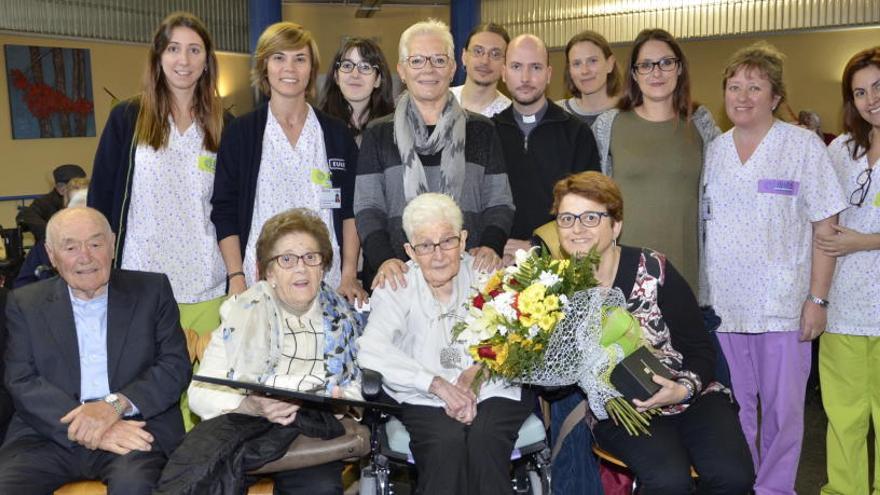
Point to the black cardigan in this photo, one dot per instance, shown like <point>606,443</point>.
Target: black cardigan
<point>238,168</point>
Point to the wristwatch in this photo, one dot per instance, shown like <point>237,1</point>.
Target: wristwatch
<point>116,402</point>
<point>817,300</point>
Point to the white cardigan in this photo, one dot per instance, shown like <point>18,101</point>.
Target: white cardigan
<point>407,329</point>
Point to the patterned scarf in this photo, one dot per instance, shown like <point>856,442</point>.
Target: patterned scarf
<point>412,139</point>
<point>253,333</point>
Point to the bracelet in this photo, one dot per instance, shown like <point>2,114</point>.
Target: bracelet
<point>689,385</point>
<point>233,275</point>
<point>818,300</point>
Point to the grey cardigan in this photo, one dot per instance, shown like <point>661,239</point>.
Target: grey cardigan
<point>706,128</point>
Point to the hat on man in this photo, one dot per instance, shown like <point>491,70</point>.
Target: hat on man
<point>63,173</point>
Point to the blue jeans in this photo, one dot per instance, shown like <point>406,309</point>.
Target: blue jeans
<point>575,470</point>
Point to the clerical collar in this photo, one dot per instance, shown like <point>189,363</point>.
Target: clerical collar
<point>531,119</point>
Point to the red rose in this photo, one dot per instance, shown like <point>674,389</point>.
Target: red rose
<point>486,352</point>
<point>479,301</point>
<point>493,294</point>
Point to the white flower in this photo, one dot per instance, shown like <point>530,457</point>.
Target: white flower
<point>503,303</point>
<point>563,299</point>
<point>533,331</point>
<point>522,255</point>
<point>548,279</point>
<point>503,329</point>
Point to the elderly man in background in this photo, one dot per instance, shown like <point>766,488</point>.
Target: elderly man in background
<point>35,215</point>
<point>95,364</point>
<point>483,59</point>
<point>430,144</point>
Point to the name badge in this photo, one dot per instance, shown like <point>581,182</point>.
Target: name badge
<point>207,164</point>
<point>779,186</point>
<point>331,198</point>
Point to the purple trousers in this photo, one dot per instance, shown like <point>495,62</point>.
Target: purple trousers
<point>771,369</point>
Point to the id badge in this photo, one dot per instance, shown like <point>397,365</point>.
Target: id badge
<point>331,198</point>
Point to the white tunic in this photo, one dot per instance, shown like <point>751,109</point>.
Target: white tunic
<point>406,332</point>
<point>855,291</point>
<point>498,105</point>
<point>758,226</point>
<point>169,229</point>
<point>288,179</point>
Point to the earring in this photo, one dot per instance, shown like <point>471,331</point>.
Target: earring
<point>614,242</point>
<point>274,285</point>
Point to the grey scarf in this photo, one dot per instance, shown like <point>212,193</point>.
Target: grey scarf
<point>412,138</point>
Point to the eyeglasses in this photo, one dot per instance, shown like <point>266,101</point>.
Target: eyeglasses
<point>288,260</point>
<point>587,218</point>
<point>665,64</point>
<point>495,54</point>
<point>438,61</point>
<point>429,247</point>
<point>363,67</point>
<point>864,183</point>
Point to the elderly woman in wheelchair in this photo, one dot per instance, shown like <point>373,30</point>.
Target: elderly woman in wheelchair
<point>461,441</point>
<point>289,330</point>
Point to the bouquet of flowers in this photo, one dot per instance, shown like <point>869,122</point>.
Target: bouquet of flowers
<point>544,321</point>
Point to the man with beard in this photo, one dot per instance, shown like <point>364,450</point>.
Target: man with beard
<point>483,58</point>
<point>542,143</point>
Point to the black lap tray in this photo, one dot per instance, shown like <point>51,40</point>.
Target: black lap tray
<point>313,398</point>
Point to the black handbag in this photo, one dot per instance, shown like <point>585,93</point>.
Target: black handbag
<point>633,376</point>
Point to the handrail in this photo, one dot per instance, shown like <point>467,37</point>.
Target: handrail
<point>20,197</point>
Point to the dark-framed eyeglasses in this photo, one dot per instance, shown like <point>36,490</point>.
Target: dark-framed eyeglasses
<point>495,54</point>
<point>446,244</point>
<point>290,260</point>
<point>857,198</point>
<point>362,67</point>
<point>438,61</point>
<point>588,219</point>
<point>667,64</point>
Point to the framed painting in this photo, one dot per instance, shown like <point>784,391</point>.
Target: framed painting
<point>50,92</point>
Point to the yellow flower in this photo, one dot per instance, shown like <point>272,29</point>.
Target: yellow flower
<point>547,321</point>
<point>531,300</point>
<point>500,353</point>
<point>493,283</point>
<point>514,338</point>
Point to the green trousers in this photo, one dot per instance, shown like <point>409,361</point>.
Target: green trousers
<point>849,374</point>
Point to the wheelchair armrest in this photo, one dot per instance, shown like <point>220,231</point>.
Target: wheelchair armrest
<point>371,384</point>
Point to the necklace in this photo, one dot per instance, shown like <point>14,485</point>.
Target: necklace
<point>450,356</point>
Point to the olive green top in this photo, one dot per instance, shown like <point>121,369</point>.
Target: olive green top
<point>657,166</point>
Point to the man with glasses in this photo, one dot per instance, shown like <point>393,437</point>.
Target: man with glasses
<point>483,59</point>
<point>429,144</point>
<point>542,143</point>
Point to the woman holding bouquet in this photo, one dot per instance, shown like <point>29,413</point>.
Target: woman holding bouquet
<point>697,424</point>
<point>461,441</point>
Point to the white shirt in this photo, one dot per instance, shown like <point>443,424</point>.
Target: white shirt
<point>758,226</point>
<point>406,332</point>
<point>498,105</point>
<point>169,229</point>
<point>855,303</point>
<point>287,180</point>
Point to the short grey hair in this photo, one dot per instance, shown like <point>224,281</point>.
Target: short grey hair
<point>429,208</point>
<point>431,27</point>
<point>61,215</point>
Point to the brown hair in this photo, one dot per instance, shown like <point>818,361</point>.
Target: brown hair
<point>155,100</point>
<point>279,37</point>
<point>296,220</point>
<point>488,27</point>
<point>853,123</point>
<point>612,81</point>
<point>681,97</point>
<point>764,58</point>
<point>593,186</point>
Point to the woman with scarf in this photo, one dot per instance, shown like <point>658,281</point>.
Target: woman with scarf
<point>461,441</point>
<point>288,330</point>
<point>285,154</point>
<point>430,144</point>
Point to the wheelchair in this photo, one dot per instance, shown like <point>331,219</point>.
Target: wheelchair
<point>390,454</point>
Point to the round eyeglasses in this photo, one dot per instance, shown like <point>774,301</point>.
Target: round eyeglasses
<point>424,248</point>
<point>289,260</point>
<point>438,61</point>
<point>667,64</point>
<point>587,219</point>
<point>362,67</point>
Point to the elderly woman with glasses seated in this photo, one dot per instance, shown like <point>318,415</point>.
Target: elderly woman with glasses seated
<point>697,424</point>
<point>289,330</point>
<point>461,442</point>
<point>429,144</point>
